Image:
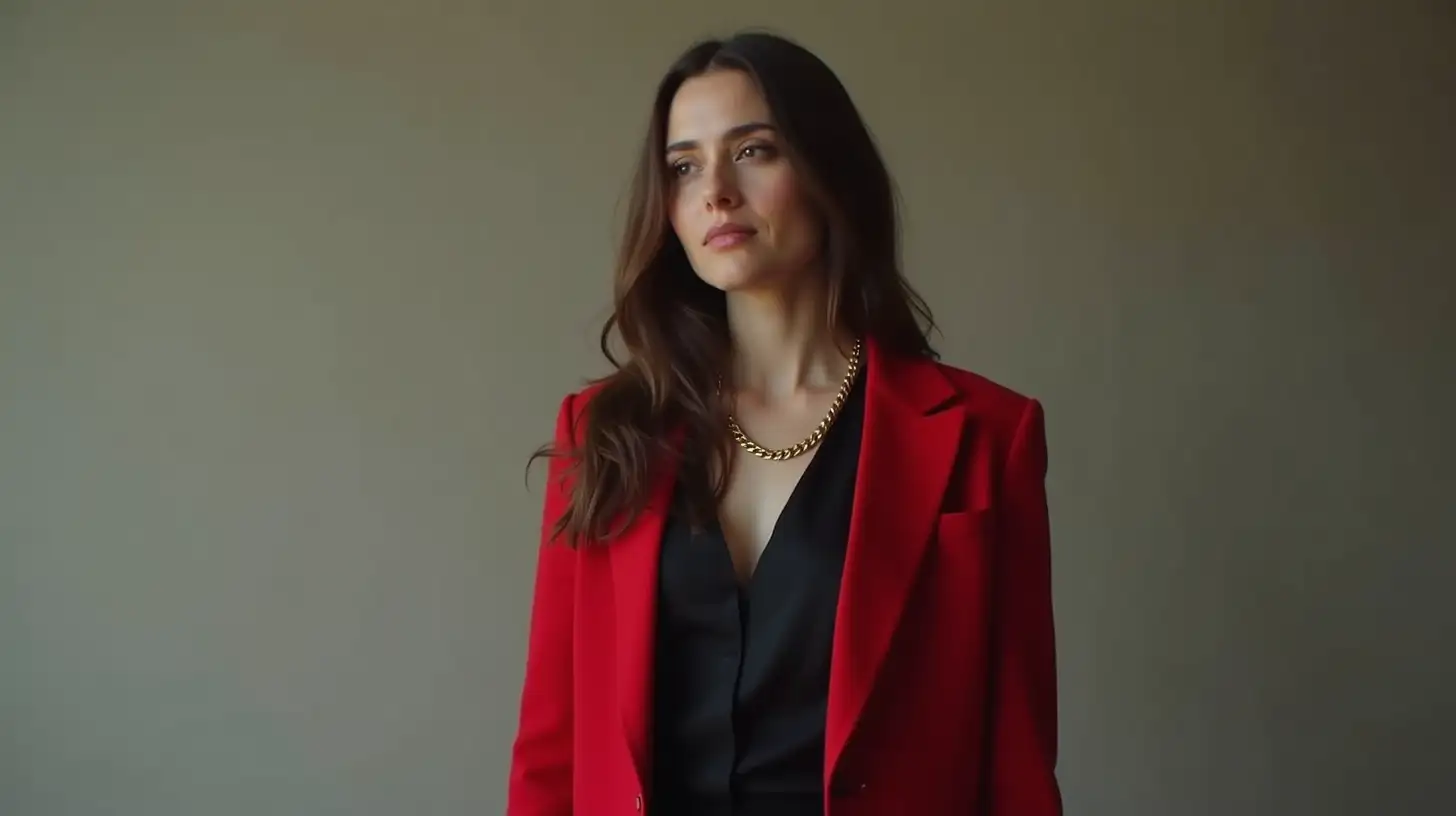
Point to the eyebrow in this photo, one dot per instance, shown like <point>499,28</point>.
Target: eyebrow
<point>735,132</point>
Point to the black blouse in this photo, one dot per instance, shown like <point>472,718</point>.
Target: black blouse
<point>742,671</point>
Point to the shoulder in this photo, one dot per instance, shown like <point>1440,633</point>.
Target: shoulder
<point>1009,420</point>
<point>571,412</point>
<point>988,401</point>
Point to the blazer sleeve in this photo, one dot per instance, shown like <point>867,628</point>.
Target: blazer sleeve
<point>1023,714</point>
<point>541,761</point>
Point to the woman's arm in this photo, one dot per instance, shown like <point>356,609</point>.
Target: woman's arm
<point>1024,686</point>
<point>541,772</point>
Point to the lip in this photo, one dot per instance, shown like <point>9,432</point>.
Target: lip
<point>727,235</point>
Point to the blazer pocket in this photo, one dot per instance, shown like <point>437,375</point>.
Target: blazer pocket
<point>959,583</point>
<point>963,528</point>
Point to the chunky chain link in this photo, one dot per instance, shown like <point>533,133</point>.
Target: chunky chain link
<point>817,435</point>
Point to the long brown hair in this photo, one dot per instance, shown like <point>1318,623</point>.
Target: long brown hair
<point>661,404</point>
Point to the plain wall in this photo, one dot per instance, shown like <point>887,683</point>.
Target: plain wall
<point>290,290</point>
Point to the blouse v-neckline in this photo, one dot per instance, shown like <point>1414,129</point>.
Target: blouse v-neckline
<point>742,667</point>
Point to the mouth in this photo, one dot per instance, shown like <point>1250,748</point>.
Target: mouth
<point>728,235</point>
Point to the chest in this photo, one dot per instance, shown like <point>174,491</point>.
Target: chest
<point>762,497</point>
<point>756,496</point>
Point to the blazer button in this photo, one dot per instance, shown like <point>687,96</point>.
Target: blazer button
<point>637,803</point>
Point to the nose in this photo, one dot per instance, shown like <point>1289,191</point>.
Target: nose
<point>721,191</point>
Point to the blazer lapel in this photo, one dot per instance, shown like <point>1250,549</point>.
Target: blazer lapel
<point>634,556</point>
<point>912,431</point>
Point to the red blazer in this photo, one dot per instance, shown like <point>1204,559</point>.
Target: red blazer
<point>942,692</point>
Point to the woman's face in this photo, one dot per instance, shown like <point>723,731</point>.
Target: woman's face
<point>734,200</point>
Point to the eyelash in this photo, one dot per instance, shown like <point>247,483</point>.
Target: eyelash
<point>766,150</point>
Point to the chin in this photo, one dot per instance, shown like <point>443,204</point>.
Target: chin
<point>735,277</point>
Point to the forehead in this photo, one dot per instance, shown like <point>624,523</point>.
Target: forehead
<point>708,105</point>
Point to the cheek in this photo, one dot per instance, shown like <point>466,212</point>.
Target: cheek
<point>772,195</point>
<point>679,214</point>
<point>780,201</point>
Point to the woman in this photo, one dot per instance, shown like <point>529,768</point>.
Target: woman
<point>791,564</point>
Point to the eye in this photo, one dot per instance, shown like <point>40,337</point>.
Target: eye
<point>757,150</point>
<point>680,168</point>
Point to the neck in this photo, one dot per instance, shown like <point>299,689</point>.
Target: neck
<point>782,342</point>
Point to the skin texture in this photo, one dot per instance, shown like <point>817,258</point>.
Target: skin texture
<point>728,166</point>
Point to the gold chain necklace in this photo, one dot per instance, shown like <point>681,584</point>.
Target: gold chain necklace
<point>818,433</point>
